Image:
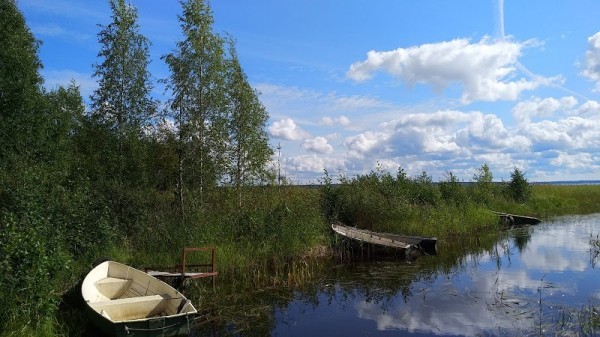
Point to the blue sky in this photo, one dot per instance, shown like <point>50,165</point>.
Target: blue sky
<point>350,86</point>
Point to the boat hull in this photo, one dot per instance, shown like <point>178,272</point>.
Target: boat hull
<point>170,326</point>
<point>411,244</point>
<point>123,301</point>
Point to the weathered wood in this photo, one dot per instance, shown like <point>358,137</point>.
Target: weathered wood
<point>179,274</point>
<point>514,220</point>
<point>426,245</point>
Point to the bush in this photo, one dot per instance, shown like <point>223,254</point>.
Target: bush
<point>452,191</point>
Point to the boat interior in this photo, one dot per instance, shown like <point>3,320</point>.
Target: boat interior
<point>121,293</point>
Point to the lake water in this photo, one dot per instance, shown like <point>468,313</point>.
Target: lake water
<point>541,280</point>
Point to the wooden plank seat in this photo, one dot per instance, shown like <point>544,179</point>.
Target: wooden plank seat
<point>187,275</point>
<point>137,307</point>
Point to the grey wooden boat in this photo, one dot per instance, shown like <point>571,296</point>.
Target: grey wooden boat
<point>426,245</point>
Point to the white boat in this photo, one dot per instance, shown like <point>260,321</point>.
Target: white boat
<point>124,301</point>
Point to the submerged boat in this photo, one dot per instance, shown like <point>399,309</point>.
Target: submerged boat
<point>425,245</point>
<point>514,220</point>
<point>124,301</point>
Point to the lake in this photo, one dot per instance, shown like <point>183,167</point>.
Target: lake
<point>540,280</point>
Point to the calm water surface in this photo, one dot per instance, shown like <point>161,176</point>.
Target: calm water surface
<point>542,280</point>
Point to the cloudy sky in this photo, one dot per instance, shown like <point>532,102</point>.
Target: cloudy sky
<point>429,85</point>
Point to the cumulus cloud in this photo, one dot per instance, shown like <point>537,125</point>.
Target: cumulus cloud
<point>485,69</point>
<point>488,132</point>
<point>287,129</point>
<point>318,145</point>
<point>568,133</point>
<point>362,144</point>
<point>590,109</point>
<point>578,160</point>
<point>314,163</point>
<point>524,111</point>
<point>410,135</point>
<point>591,63</point>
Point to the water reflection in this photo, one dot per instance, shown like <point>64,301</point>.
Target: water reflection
<point>531,281</point>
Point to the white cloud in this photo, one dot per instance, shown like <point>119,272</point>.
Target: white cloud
<point>362,144</point>
<point>331,121</point>
<point>287,129</point>
<point>573,161</point>
<point>591,62</point>
<point>314,163</point>
<point>318,145</point>
<point>590,109</point>
<point>523,112</point>
<point>569,133</point>
<point>487,132</point>
<point>484,69</point>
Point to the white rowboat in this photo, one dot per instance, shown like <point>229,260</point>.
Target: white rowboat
<point>124,301</point>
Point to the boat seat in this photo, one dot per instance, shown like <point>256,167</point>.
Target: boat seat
<point>133,307</point>
<point>130,300</point>
<point>112,287</point>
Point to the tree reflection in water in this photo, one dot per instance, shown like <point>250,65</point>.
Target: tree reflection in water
<point>512,283</point>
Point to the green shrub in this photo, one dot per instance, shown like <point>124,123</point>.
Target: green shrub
<point>518,187</point>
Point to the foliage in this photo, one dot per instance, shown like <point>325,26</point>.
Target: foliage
<point>122,108</point>
<point>518,187</point>
<point>75,186</point>
<point>122,101</point>
<point>483,188</point>
<point>452,191</point>
<point>21,130</point>
<point>248,144</point>
<point>198,103</point>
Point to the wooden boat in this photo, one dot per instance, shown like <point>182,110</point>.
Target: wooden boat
<point>514,220</point>
<point>124,301</point>
<point>411,244</point>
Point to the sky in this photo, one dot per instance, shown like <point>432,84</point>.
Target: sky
<point>354,86</point>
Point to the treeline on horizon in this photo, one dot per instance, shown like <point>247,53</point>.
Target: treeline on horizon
<point>136,180</point>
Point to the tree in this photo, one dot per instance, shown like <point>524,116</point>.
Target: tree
<point>122,103</point>
<point>518,187</point>
<point>122,100</point>
<point>483,188</point>
<point>451,190</point>
<point>198,104</point>
<point>20,88</point>
<point>248,142</point>
<point>34,163</point>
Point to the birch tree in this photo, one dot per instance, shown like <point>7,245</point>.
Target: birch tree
<point>197,106</point>
<point>122,104</point>
<point>249,149</point>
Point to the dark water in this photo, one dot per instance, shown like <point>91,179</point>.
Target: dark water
<point>542,280</point>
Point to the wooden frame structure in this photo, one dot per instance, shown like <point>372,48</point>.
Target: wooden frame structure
<point>182,272</point>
